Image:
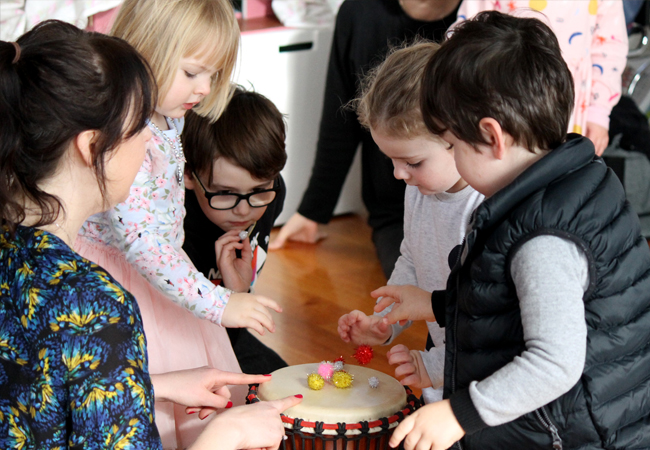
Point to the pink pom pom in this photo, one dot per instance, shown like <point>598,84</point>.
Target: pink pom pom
<point>326,370</point>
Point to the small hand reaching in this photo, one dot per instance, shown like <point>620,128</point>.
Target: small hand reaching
<point>434,426</point>
<point>410,368</point>
<point>358,328</point>
<point>411,303</point>
<point>250,311</point>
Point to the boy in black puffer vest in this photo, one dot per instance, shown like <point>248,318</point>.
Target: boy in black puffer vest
<point>547,308</point>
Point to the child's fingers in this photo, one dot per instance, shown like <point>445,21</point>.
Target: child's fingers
<point>384,303</point>
<point>354,317</point>
<point>265,301</point>
<point>411,380</point>
<point>379,292</point>
<point>259,322</point>
<point>404,370</point>
<point>344,321</point>
<point>413,440</point>
<point>397,354</point>
<point>397,315</point>
<point>402,430</point>
<point>398,349</point>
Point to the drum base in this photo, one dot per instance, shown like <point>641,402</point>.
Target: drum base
<point>305,441</point>
<point>372,435</point>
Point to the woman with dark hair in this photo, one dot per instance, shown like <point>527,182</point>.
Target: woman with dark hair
<point>73,361</point>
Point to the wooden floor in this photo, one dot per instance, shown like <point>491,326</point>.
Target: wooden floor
<point>316,284</point>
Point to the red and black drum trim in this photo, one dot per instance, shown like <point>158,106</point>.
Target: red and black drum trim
<point>298,439</point>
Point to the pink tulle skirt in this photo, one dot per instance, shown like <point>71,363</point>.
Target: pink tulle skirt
<point>176,340</point>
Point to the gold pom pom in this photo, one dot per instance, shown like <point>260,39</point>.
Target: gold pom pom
<point>315,381</point>
<point>341,379</point>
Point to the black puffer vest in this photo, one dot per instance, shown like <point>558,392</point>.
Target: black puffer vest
<point>572,194</point>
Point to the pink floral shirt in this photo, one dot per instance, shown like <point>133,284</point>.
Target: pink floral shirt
<point>593,39</point>
<point>148,229</point>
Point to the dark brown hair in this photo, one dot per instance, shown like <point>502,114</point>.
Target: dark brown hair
<point>504,67</point>
<point>65,81</point>
<point>250,133</point>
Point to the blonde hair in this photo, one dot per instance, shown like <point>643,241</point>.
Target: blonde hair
<point>164,31</point>
<point>389,97</point>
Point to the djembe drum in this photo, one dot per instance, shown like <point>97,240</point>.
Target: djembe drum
<point>359,417</point>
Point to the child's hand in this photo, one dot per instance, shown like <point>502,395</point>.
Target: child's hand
<point>434,426</point>
<point>232,428</point>
<point>299,229</point>
<point>358,328</point>
<point>202,390</point>
<point>250,311</point>
<point>410,367</point>
<point>237,273</point>
<point>599,136</point>
<point>411,303</point>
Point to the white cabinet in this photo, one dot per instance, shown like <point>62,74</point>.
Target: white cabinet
<point>289,66</point>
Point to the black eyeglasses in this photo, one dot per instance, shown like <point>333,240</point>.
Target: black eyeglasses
<point>223,202</point>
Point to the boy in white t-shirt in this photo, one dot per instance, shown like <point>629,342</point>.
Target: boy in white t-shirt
<point>437,206</point>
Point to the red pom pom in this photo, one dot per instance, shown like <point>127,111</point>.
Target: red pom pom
<point>363,354</point>
<point>340,358</point>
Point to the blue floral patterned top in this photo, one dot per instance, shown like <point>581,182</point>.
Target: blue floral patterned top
<point>73,361</point>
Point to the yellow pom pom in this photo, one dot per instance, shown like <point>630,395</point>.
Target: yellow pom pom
<point>315,381</point>
<point>341,379</point>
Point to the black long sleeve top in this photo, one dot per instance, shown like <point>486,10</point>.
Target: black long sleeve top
<point>365,30</point>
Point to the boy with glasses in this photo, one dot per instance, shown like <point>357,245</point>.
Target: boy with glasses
<point>234,194</point>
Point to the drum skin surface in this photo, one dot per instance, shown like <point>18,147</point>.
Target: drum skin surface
<point>357,403</point>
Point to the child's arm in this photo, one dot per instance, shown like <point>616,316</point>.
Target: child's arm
<point>550,275</point>
<point>404,271</point>
<point>608,51</point>
<point>148,245</point>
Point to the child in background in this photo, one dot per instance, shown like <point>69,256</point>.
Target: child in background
<point>74,357</point>
<point>234,186</point>
<point>593,39</point>
<point>191,46</point>
<point>547,310</point>
<point>437,206</point>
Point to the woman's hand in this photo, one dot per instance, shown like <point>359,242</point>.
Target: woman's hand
<point>250,311</point>
<point>237,273</point>
<point>256,426</point>
<point>202,390</point>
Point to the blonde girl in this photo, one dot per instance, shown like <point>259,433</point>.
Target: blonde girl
<point>191,46</point>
